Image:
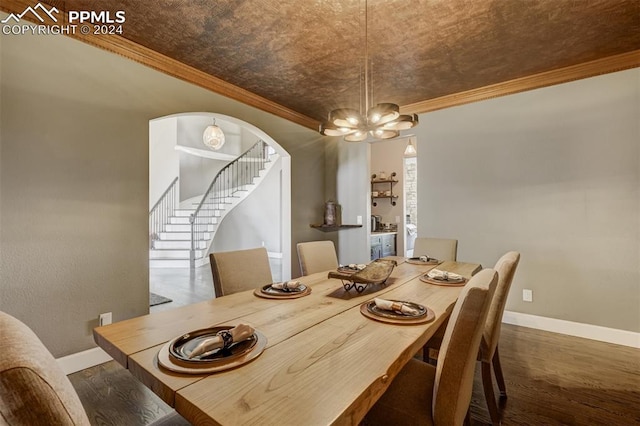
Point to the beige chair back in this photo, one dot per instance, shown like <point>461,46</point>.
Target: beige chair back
<point>33,388</point>
<point>459,350</point>
<point>438,248</point>
<point>235,271</point>
<point>506,268</point>
<point>317,256</point>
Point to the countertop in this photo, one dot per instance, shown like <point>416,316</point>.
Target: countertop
<point>384,232</point>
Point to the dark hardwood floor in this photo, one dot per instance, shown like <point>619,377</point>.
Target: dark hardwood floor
<point>551,379</point>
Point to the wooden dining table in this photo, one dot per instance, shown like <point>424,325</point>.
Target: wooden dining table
<point>324,361</point>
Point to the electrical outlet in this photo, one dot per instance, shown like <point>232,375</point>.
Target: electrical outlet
<point>527,295</point>
<point>105,319</point>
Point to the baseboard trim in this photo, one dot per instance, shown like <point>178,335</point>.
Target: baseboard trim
<point>587,331</point>
<point>81,360</point>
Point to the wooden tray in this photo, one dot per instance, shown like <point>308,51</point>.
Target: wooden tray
<point>376,272</point>
<point>245,352</point>
<point>417,261</point>
<point>426,279</point>
<point>271,293</point>
<point>368,309</point>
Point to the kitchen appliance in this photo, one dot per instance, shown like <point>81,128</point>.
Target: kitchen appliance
<point>376,223</point>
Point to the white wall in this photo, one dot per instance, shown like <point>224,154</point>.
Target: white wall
<point>164,160</point>
<point>553,173</point>
<point>197,173</point>
<point>256,220</point>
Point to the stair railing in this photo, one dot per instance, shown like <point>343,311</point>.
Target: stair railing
<point>233,177</point>
<point>161,212</point>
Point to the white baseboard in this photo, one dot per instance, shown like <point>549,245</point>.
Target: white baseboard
<point>81,360</point>
<point>587,331</point>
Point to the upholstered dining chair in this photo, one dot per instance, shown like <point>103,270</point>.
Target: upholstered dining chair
<point>438,248</point>
<point>240,270</point>
<point>422,394</point>
<point>317,256</point>
<point>33,388</point>
<point>488,354</point>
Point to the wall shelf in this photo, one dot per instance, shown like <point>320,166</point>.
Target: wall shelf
<point>331,228</point>
<point>389,182</point>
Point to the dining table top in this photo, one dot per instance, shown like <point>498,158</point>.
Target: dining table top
<point>324,361</point>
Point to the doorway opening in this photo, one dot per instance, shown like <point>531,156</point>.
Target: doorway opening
<point>254,212</point>
<point>411,201</point>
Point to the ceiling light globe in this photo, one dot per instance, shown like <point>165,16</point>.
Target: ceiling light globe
<point>213,137</point>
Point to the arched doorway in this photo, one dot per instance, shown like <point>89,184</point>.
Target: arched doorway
<point>261,212</point>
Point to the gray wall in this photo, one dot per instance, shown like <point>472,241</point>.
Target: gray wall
<point>74,181</point>
<point>553,173</point>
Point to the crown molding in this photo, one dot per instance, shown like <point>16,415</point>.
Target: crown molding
<point>130,50</point>
<point>152,59</point>
<point>549,78</point>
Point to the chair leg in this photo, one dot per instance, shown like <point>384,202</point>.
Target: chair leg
<point>497,370</point>
<point>426,356</point>
<point>487,384</point>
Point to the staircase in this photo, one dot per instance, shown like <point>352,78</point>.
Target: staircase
<point>180,237</point>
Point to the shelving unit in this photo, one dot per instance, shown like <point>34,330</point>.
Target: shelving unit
<point>390,181</point>
<point>331,228</point>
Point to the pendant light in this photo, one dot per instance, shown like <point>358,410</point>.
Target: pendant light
<point>410,150</point>
<point>382,121</point>
<point>213,137</point>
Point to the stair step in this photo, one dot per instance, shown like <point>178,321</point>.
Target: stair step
<point>188,212</point>
<point>183,212</point>
<point>187,227</point>
<point>173,236</point>
<point>211,206</point>
<point>178,245</point>
<point>184,220</point>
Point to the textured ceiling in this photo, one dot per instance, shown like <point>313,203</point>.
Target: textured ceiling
<point>307,54</point>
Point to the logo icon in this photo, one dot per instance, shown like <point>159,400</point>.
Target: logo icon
<point>34,11</point>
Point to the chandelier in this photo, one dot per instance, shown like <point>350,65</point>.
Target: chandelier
<point>382,121</point>
<point>213,137</point>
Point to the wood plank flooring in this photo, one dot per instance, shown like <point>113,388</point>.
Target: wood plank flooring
<point>551,379</point>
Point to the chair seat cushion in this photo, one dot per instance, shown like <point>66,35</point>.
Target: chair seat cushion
<point>408,399</point>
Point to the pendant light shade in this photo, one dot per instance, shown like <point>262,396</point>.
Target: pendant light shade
<point>410,150</point>
<point>213,137</point>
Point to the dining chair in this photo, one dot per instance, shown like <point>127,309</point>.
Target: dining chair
<point>33,388</point>
<point>240,270</point>
<point>488,354</point>
<point>440,395</point>
<point>438,248</point>
<point>317,256</point>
